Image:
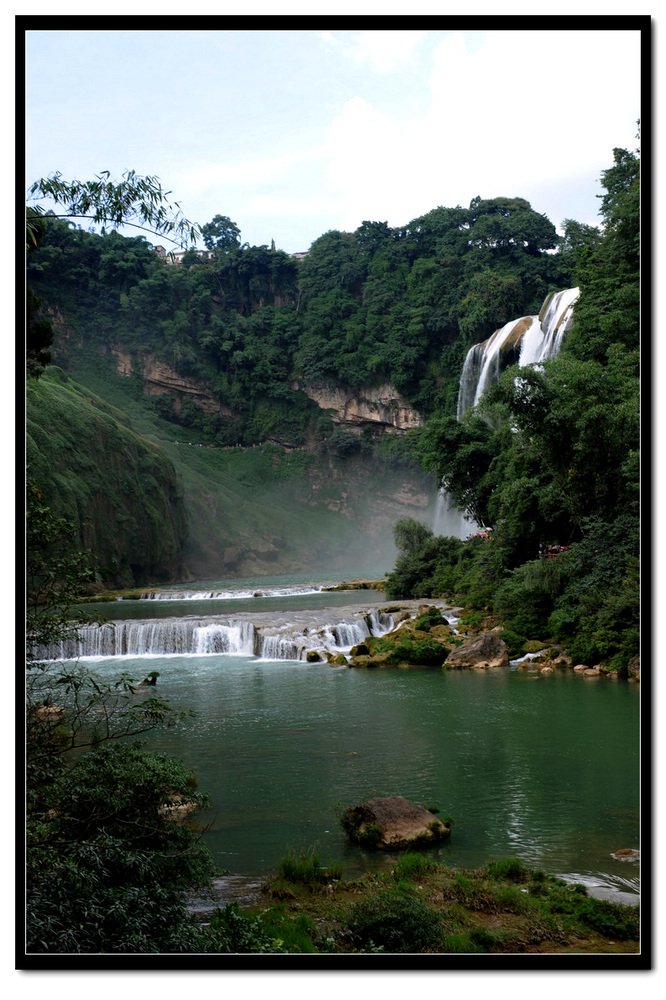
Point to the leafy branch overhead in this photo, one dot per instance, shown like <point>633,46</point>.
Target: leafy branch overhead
<point>133,201</point>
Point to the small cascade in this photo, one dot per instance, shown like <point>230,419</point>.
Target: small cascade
<point>274,639</point>
<point>236,639</point>
<point>280,647</point>
<point>232,594</point>
<point>348,634</point>
<point>155,637</point>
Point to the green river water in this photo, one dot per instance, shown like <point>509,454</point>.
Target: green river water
<point>544,768</point>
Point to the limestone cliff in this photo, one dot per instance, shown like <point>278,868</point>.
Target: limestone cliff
<point>353,408</point>
<point>159,378</point>
<point>380,406</point>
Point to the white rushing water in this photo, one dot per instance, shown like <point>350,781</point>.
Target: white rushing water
<point>231,593</point>
<point>272,636</point>
<point>540,338</point>
<point>536,338</point>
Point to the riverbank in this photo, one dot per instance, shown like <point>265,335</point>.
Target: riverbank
<point>423,907</point>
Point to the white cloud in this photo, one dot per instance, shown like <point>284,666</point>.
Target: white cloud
<point>515,116</point>
<point>385,50</point>
<point>261,170</point>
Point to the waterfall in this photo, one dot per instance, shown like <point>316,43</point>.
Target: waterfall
<point>271,639</point>
<point>549,328</point>
<point>236,639</point>
<point>231,594</point>
<point>156,637</point>
<point>535,338</point>
<point>448,520</point>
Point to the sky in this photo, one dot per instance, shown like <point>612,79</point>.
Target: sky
<point>291,133</point>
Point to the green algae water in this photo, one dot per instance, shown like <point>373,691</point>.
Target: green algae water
<point>545,768</point>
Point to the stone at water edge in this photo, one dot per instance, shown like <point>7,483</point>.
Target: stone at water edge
<point>485,650</point>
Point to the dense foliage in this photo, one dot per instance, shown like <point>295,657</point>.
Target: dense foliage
<point>551,456</point>
<point>380,304</point>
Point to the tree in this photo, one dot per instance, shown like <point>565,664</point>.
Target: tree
<point>608,310</point>
<point>221,234</point>
<point>461,453</point>
<point>106,865</point>
<point>39,336</point>
<point>133,201</point>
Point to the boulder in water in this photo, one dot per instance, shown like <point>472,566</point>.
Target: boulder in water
<point>391,823</point>
<point>485,650</point>
<point>626,854</point>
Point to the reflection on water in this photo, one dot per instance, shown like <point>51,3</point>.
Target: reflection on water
<point>547,771</point>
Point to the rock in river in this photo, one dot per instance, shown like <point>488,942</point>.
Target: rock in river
<point>392,822</point>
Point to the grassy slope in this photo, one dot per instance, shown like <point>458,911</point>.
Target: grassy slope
<point>257,511</point>
<point>118,489</point>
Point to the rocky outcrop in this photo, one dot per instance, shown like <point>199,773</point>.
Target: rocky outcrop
<point>160,379</point>
<point>485,650</point>
<point>353,408</point>
<point>392,823</point>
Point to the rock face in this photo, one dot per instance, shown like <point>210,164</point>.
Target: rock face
<point>352,408</point>
<point>486,650</point>
<point>393,822</point>
<point>159,379</point>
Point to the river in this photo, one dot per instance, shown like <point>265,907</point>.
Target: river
<point>541,767</point>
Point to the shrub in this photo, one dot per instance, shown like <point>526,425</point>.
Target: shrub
<point>428,619</point>
<point>306,869</point>
<point>292,934</point>
<point>460,944</point>
<point>396,922</point>
<point>611,919</point>
<point>412,866</point>
<point>421,651</point>
<point>370,836</point>
<point>527,597</point>
<point>508,869</point>
<point>509,897</point>
<point>515,643</point>
<point>240,933</point>
<point>483,938</point>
